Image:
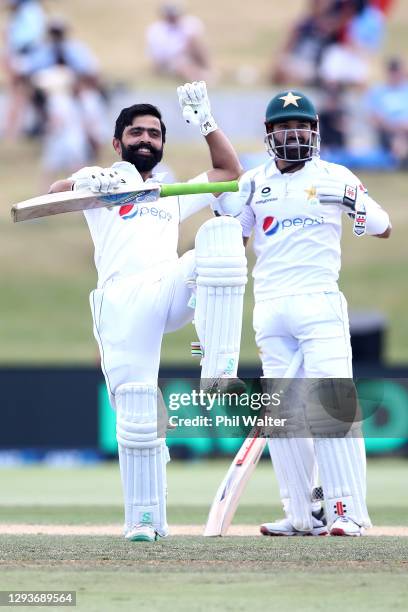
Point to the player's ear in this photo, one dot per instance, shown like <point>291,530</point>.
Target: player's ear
<point>117,145</point>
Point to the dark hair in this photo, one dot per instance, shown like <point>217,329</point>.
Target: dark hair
<point>127,115</point>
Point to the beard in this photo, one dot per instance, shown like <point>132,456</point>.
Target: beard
<point>142,163</point>
<point>293,150</point>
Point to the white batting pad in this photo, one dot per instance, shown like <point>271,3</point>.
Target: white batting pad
<point>342,467</point>
<point>142,456</point>
<point>221,278</point>
<point>294,464</point>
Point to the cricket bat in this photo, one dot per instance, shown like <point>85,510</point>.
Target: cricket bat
<point>72,201</point>
<point>229,492</point>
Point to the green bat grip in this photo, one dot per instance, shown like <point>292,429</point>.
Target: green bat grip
<point>191,188</point>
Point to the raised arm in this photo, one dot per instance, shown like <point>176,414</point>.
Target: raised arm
<point>195,105</point>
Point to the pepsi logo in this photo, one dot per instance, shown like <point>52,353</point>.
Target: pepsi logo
<point>270,225</point>
<point>127,212</point>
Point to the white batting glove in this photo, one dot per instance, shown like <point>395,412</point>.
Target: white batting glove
<point>337,192</point>
<point>349,198</point>
<point>233,203</point>
<point>195,106</point>
<point>96,179</point>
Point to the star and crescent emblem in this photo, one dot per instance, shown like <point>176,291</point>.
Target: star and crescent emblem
<point>290,98</point>
<point>311,192</point>
<point>312,196</point>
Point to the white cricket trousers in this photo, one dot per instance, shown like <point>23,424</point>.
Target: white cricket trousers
<point>317,323</point>
<point>130,316</point>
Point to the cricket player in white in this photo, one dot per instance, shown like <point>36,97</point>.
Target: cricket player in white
<point>144,290</point>
<point>294,205</point>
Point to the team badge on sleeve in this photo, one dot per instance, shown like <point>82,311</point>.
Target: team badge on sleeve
<point>360,220</point>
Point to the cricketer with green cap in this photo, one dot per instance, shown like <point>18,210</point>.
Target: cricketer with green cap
<point>293,205</point>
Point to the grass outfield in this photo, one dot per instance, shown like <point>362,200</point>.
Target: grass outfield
<point>195,573</point>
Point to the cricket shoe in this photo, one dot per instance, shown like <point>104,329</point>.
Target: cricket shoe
<point>344,526</point>
<point>285,528</point>
<point>143,532</point>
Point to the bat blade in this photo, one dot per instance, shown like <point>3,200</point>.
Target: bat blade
<point>230,490</point>
<point>73,201</point>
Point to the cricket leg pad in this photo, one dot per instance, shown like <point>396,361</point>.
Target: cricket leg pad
<point>294,464</point>
<point>342,468</point>
<point>142,456</point>
<point>221,268</point>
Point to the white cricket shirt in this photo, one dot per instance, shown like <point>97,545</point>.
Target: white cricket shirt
<point>296,239</point>
<point>140,238</point>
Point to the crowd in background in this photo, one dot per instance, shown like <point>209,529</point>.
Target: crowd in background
<point>55,87</point>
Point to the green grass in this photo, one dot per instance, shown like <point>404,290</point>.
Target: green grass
<point>195,573</point>
<point>92,494</point>
<point>270,587</point>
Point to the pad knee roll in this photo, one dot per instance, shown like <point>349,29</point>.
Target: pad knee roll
<point>136,420</point>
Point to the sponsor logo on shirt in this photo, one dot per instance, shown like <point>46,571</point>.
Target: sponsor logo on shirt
<point>129,211</point>
<point>271,225</point>
<point>265,191</point>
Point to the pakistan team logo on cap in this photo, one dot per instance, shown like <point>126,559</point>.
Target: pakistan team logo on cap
<point>290,98</point>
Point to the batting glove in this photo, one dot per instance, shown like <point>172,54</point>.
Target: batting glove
<point>349,198</point>
<point>96,179</point>
<point>233,203</point>
<point>337,192</point>
<point>195,106</point>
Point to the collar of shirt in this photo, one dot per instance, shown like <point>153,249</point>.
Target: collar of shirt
<point>271,168</point>
<point>156,178</point>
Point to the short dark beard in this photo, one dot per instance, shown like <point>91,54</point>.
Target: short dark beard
<point>292,154</point>
<point>141,162</point>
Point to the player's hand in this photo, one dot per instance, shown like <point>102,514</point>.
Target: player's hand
<point>233,203</point>
<point>128,174</point>
<point>337,192</point>
<point>96,179</point>
<point>195,106</point>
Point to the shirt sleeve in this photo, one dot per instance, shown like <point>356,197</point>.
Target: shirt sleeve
<point>247,220</point>
<point>377,220</point>
<point>190,204</point>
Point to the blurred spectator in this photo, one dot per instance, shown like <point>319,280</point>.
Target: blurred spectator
<point>94,113</point>
<point>176,46</point>
<point>333,121</point>
<point>387,105</point>
<point>65,140</point>
<point>347,61</point>
<point>57,49</point>
<point>60,48</point>
<point>24,33</point>
<point>322,25</point>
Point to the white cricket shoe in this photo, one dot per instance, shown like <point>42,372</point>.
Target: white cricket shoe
<point>344,526</point>
<point>285,528</point>
<point>144,532</point>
